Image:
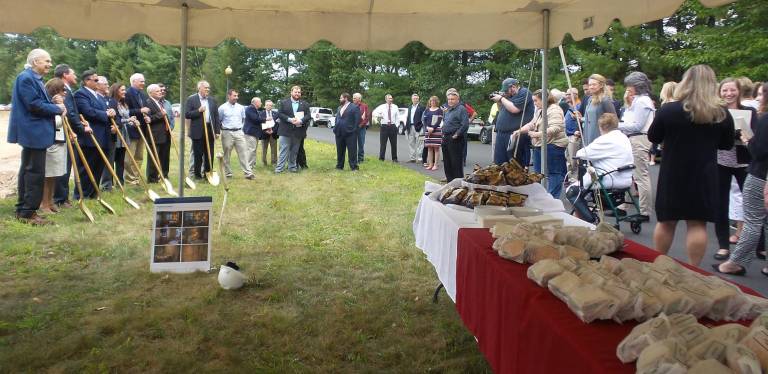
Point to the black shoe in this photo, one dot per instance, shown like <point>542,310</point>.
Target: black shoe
<point>740,272</point>
<point>643,218</point>
<point>720,256</point>
<point>395,161</point>
<point>614,213</point>
<point>338,168</point>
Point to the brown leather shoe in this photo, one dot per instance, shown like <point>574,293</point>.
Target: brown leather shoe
<point>34,220</point>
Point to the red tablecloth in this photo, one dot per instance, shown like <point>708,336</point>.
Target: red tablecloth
<point>523,328</point>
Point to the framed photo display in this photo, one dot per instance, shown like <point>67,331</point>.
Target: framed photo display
<point>181,235</point>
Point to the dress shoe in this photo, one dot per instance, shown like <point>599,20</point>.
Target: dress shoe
<point>722,256</point>
<point>395,161</point>
<point>250,177</point>
<point>644,218</point>
<point>34,220</point>
<point>741,272</point>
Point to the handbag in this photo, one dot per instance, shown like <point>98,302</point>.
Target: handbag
<point>742,154</point>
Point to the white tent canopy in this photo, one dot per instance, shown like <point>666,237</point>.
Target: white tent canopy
<point>348,24</point>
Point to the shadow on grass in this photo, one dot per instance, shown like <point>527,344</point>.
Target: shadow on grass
<point>335,284</point>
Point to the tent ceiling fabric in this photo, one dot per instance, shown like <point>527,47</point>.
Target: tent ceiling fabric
<point>349,24</point>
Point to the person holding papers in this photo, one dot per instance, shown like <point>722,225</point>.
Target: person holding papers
<point>732,163</point>
<point>270,124</point>
<point>294,117</point>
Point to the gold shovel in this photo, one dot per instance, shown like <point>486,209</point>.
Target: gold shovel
<point>190,183</point>
<point>220,158</point>
<point>166,182</point>
<point>212,175</point>
<point>93,180</point>
<point>151,194</point>
<point>80,202</point>
<point>112,171</point>
<point>151,154</point>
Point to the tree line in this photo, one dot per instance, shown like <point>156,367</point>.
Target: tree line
<point>733,39</point>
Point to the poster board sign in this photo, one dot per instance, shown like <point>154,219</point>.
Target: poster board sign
<point>181,235</point>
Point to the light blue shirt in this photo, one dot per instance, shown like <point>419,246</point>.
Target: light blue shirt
<point>231,116</point>
<point>295,106</point>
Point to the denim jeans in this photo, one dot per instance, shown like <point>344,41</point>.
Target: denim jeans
<point>289,149</point>
<point>361,144</point>
<point>556,168</point>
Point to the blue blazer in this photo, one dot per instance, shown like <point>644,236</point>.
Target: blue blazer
<point>347,123</point>
<point>32,115</point>
<point>253,121</point>
<point>94,109</point>
<point>72,114</point>
<point>135,100</point>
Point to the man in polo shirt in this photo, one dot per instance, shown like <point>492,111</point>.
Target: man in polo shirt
<point>387,114</point>
<point>515,109</point>
<point>232,116</point>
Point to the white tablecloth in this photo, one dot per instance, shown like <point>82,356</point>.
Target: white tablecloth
<point>436,228</point>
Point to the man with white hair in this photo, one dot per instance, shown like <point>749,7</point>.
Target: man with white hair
<point>201,109</point>
<point>252,130</point>
<point>157,115</point>
<point>136,100</point>
<point>365,122</point>
<point>454,128</point>
<point>32,126</point>
<point>232,116</point>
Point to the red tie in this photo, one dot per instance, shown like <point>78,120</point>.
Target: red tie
<point>389,113</point>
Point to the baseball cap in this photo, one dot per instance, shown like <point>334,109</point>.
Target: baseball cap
<point>507,83</point>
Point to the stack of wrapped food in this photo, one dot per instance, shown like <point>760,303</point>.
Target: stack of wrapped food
<point>509,173</point>
<point>473,197</point>
<point>678,343</point>
<point>628,289</point>
<point>527,242</point>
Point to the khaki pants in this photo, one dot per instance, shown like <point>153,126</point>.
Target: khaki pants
<point>574,144</point>
<point>236,140</point>
<point>414,151</point>
<point>137,150</point>
<point>270,142</point>
<point>252,143</point>
<point>640,147</point>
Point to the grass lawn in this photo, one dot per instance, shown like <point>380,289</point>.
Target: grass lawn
<point>336,284</point>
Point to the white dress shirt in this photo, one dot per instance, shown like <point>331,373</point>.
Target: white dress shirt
<point>381,113</point>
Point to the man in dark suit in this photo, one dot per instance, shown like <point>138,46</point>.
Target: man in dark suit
<point>413,127</point>
<point>157,115</point>
<point>269,135</point>
<point>136,100</point>
<point>32,127</point>
<point>347,121</point>
<point>252,129</point>
<point>66,74</point>
<point>199,105</point>
<point>106,176</point>
<point>93,107</point>
<point>294,116</point>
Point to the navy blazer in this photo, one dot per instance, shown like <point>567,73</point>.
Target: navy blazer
<point>285,113</point>
<point>417,124</point>
<point>73,115</point>
<point>136,99</point>
<point>32,122</point>
<point>347,122</point>
<point>196,118</point>
<point>253,121</point>
<point>94,109</point>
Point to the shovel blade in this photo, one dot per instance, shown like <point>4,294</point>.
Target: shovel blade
<point>213,178</point>
<point>86,211</point>
<point>169,188</point>
<point>190,183</point>
<point>106,206</point>
<point>152,195</point>
<point>131,202</point>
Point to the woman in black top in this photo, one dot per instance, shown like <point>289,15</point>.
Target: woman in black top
<point>691,131</point>
<point>753,197</point>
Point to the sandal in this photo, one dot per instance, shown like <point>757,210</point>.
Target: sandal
<point>741,272</point>
<point>722,254</point>
<point>732,241</point>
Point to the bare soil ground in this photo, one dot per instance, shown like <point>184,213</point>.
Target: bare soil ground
<point>10,157</point>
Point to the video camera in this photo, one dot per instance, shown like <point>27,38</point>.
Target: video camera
<point>490,96</point>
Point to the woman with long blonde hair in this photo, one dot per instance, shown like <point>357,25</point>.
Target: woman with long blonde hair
<point>667,92</point>
<point>599,102</point>
<point>691,130</point>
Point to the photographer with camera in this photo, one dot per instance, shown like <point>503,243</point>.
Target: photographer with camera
<point>515,109</point>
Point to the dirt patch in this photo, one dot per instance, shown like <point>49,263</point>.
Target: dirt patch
<point>10,158</point>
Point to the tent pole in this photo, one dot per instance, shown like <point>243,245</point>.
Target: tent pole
<point>183,93</point>
<point>544,94</point>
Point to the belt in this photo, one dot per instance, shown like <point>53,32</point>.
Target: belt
<point>638,134</point>
<point>387,124</point>
<point>232,129</point>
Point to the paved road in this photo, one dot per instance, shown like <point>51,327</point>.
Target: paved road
<point>481,154</point>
